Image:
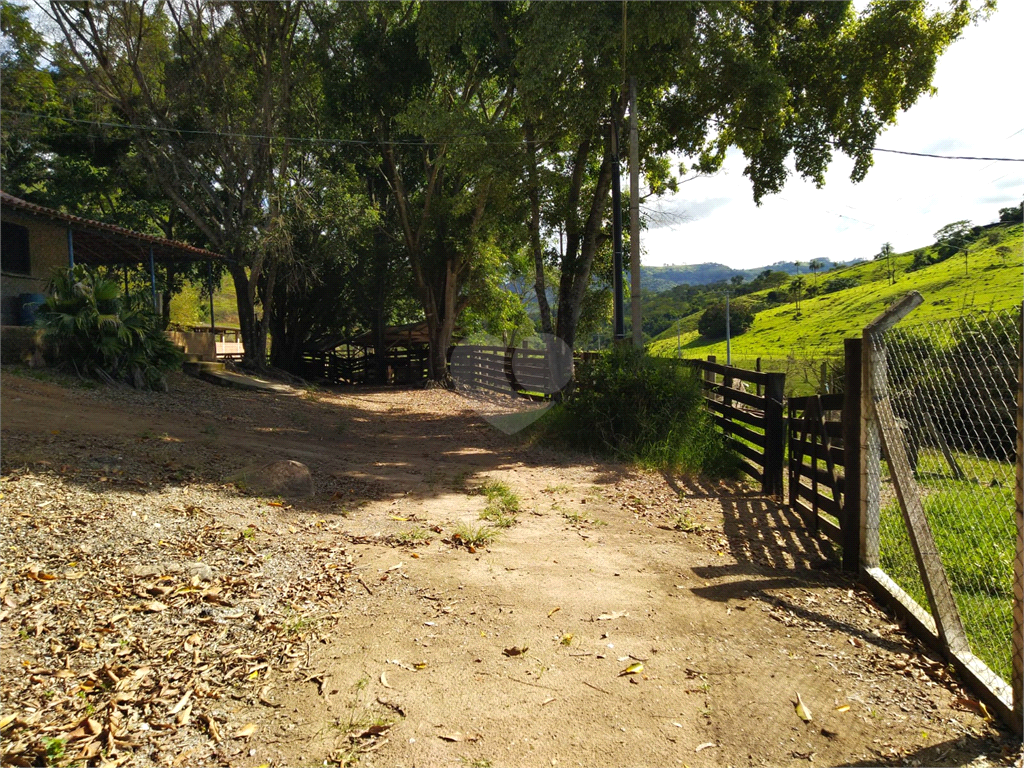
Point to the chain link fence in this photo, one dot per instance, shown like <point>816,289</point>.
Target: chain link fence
<point>951,387</point>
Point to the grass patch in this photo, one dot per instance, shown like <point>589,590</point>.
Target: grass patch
<point>500,495</point>
<point>498,518</point>
<point>467,535</point>
<point>502,504</point>
<point>683,522</point>
<point>976,549</point>
<point>413,536</point>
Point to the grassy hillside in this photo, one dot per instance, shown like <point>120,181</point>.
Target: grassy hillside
<point>658,279</point>
<point>816,331</point>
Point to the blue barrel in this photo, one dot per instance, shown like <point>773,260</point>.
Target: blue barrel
<point>29,304</point>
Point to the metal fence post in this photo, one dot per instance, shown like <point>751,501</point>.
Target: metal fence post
<point>853,352</point>
<point>774,433</point>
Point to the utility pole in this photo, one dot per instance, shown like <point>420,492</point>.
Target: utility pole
<point>634,219</point>
<point>728,335</point>
<point>619,325</point>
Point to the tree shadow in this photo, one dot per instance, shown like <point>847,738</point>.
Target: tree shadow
<point>360,443</point>
<point>998,749</point>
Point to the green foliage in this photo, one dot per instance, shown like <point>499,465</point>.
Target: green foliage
<point>953,239</point>
<point>95,331</point>
<point>1013,215</point>
<point>643,409</point>
<point>712,322</point>
<point>977,554</point>
<point>839,284</point>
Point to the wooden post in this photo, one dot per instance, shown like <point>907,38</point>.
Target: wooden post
<point>850,521</point>
<point>1017,671</point>
<point>757,367</point>
<point>709,376</point>
<point>795,455</point>
<point>774,434</point>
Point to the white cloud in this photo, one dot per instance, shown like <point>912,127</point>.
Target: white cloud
<point>903,200</point>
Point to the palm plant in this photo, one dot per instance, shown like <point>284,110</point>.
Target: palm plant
<point>94,330</point>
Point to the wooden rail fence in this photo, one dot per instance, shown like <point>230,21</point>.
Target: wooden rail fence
<point>523,371</point>
<point>753,423</point>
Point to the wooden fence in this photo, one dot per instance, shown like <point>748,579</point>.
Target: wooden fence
<point>752,421</point>
<point>401,366</point>
<point>523,371</point>
<point>824,449</point>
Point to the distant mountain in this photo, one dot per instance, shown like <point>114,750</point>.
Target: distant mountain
<point>658,279</point>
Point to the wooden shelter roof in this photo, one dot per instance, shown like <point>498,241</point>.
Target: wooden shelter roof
<point>98,243</point>
<point>395,335</point>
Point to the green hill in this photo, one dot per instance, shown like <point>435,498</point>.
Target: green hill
<point>783,335</point>
<point>659,279</point>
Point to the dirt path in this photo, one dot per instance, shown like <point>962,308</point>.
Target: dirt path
<point>393,646</point>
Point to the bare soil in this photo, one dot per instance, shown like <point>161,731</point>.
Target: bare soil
<point>154,614</point>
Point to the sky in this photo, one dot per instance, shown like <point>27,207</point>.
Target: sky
<point>977,111</point>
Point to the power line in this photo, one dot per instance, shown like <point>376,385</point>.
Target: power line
<point>249,136</point>
<point>951,157</point>
<point>365,142</point>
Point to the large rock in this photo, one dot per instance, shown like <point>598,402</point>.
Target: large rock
<point>290,479</point>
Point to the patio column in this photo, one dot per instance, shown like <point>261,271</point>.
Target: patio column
<point>152,276</point>
<point>71,249</point>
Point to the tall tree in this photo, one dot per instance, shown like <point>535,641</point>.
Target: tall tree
<point>208,91</point>
<point>888,255</point>
<point>772,79</point>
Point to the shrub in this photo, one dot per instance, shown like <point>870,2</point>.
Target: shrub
<point>839,284</point>
<point>712,322</point>
<point>644,409</point>
<point>93,330</point>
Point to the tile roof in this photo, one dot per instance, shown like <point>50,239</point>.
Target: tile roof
<point>98,243</point>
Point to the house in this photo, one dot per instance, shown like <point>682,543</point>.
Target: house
<point>34,241</point>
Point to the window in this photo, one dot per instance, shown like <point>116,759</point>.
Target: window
<point>14,254</point>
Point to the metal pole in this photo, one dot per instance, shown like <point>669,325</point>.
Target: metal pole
<point>209,274</point>
<point>634,218</point>
<point>619,324</point>
<point>152,276</point>
<point>71,249</point>
<point>728,339</point>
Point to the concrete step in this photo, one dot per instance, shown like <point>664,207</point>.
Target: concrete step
<point>199,367</point>
<point>227,379</point>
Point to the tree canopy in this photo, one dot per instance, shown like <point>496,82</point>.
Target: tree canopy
<point>348,157</point>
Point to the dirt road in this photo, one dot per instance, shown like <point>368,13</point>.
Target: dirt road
<point>350,628</point>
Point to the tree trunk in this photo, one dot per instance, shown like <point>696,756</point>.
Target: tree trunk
<point>581,249</point>
<point>255,353</point>
<point>540,284</point>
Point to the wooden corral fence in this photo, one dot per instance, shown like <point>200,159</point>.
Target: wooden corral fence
<point>824,458</point>
<point>401,366</point>
<point>752,421</point>
<point>524,371</point>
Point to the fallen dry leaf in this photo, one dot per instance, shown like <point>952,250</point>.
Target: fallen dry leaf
<point>245,731</point>
<point>801,710</point>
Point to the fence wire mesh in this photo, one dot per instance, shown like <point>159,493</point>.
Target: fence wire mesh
<point>952,388</point>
